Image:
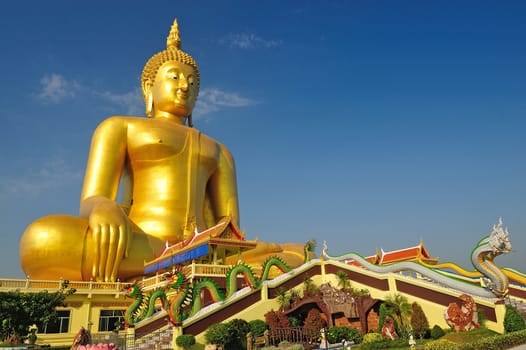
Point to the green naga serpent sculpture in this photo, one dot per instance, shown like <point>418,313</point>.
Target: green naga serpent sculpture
<point>186,298</point>
<point>144,304</point>
<point>482,256</point>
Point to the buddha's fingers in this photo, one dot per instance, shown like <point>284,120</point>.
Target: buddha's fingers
<point>127,233</point>
<point>103,247</point>
<point>96,251</point>
<point>122,246</point>
<point>113,255</point>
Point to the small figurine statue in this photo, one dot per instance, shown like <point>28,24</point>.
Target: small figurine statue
<point>412,342</point>
<point>324,344</point>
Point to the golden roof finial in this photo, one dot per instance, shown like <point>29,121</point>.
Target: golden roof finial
<point>173,41</point>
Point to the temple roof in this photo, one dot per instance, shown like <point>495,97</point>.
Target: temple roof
<point>416,253</point>
<point>224,237</point>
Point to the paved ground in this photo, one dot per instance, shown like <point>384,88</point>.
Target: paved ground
<point>520,347</point>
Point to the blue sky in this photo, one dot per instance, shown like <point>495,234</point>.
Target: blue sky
<point>369,124</point>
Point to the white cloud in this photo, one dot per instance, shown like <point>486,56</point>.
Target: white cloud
<point>132,100</point>
<point>248,41</point>
<point>54,88</point>
<point>53,174</point>
<point>212,100</point>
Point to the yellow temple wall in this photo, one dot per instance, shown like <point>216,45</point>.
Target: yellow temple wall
<point>433,311</point>
<point>91,298</point>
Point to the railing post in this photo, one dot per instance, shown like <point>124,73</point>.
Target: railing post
<point>249,341</point>
<point>130,337</point>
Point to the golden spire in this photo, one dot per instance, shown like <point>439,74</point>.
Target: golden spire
<point>173,41</point>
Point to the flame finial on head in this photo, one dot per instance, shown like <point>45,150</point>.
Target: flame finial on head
<point>173,41</point>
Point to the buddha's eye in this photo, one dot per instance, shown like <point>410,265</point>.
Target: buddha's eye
<point>175,77</point>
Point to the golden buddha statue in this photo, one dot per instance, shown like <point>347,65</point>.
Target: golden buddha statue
<point>173,180</point>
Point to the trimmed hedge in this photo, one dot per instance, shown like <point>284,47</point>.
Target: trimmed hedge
<point>437,332</point>
<point>218,333</point>
<point>513,320</point>
<point>385,344</point>
<point>337,333</point>
<point>257,327</point>
<point>498,342</point>
<point>372,337</point>
<point>185,340</point>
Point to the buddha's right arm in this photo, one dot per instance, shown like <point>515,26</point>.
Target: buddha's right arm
<point>106,159</point>
<point>108,223</point>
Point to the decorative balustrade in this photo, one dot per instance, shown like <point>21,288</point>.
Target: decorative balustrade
<point>191,271</point>
<point>30,285</point>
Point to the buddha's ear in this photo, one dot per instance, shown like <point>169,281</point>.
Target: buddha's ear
<point>148,97</point>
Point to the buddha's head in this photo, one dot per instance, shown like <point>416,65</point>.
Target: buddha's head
<point>168,65</point>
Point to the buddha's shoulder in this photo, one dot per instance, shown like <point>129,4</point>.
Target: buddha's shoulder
<point>208,140</point>
<point>117,119</point>
<point>122,120</point>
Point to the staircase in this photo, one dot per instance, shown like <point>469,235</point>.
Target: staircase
<point>154,341</point>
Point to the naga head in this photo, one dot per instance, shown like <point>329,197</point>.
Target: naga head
<point>325,248</point>
<point>498,239</point>
<point>176,280</point>
<point>132,291</point>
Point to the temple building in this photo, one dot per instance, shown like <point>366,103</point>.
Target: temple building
<point>418,253</point>
<point>212,246</point>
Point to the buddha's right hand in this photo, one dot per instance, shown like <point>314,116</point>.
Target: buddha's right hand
<point>111,235</point>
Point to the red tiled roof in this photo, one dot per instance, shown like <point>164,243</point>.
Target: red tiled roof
<point>400,255</point>
<point>212,232</point>
<point>415,253</point>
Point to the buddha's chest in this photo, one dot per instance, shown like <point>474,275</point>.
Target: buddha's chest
<point>156,145</point>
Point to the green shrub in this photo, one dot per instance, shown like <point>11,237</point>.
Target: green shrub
<point>513,321</point>
<point>257,327</point>
<point>218,333</point>
<point>441,344</point>
<point>296,347</point>
<point>237,330</point>
<point>294,321</point>
<point>437,332</point>
<point>185,340</point>
<point>497,342</point>
<point>385,344</point>
<point>372,337</point>
<point>337,334</point>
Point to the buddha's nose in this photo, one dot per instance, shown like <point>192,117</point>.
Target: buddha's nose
<point>183,84</point>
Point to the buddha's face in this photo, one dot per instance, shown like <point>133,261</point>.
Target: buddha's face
<point>174,90</point>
